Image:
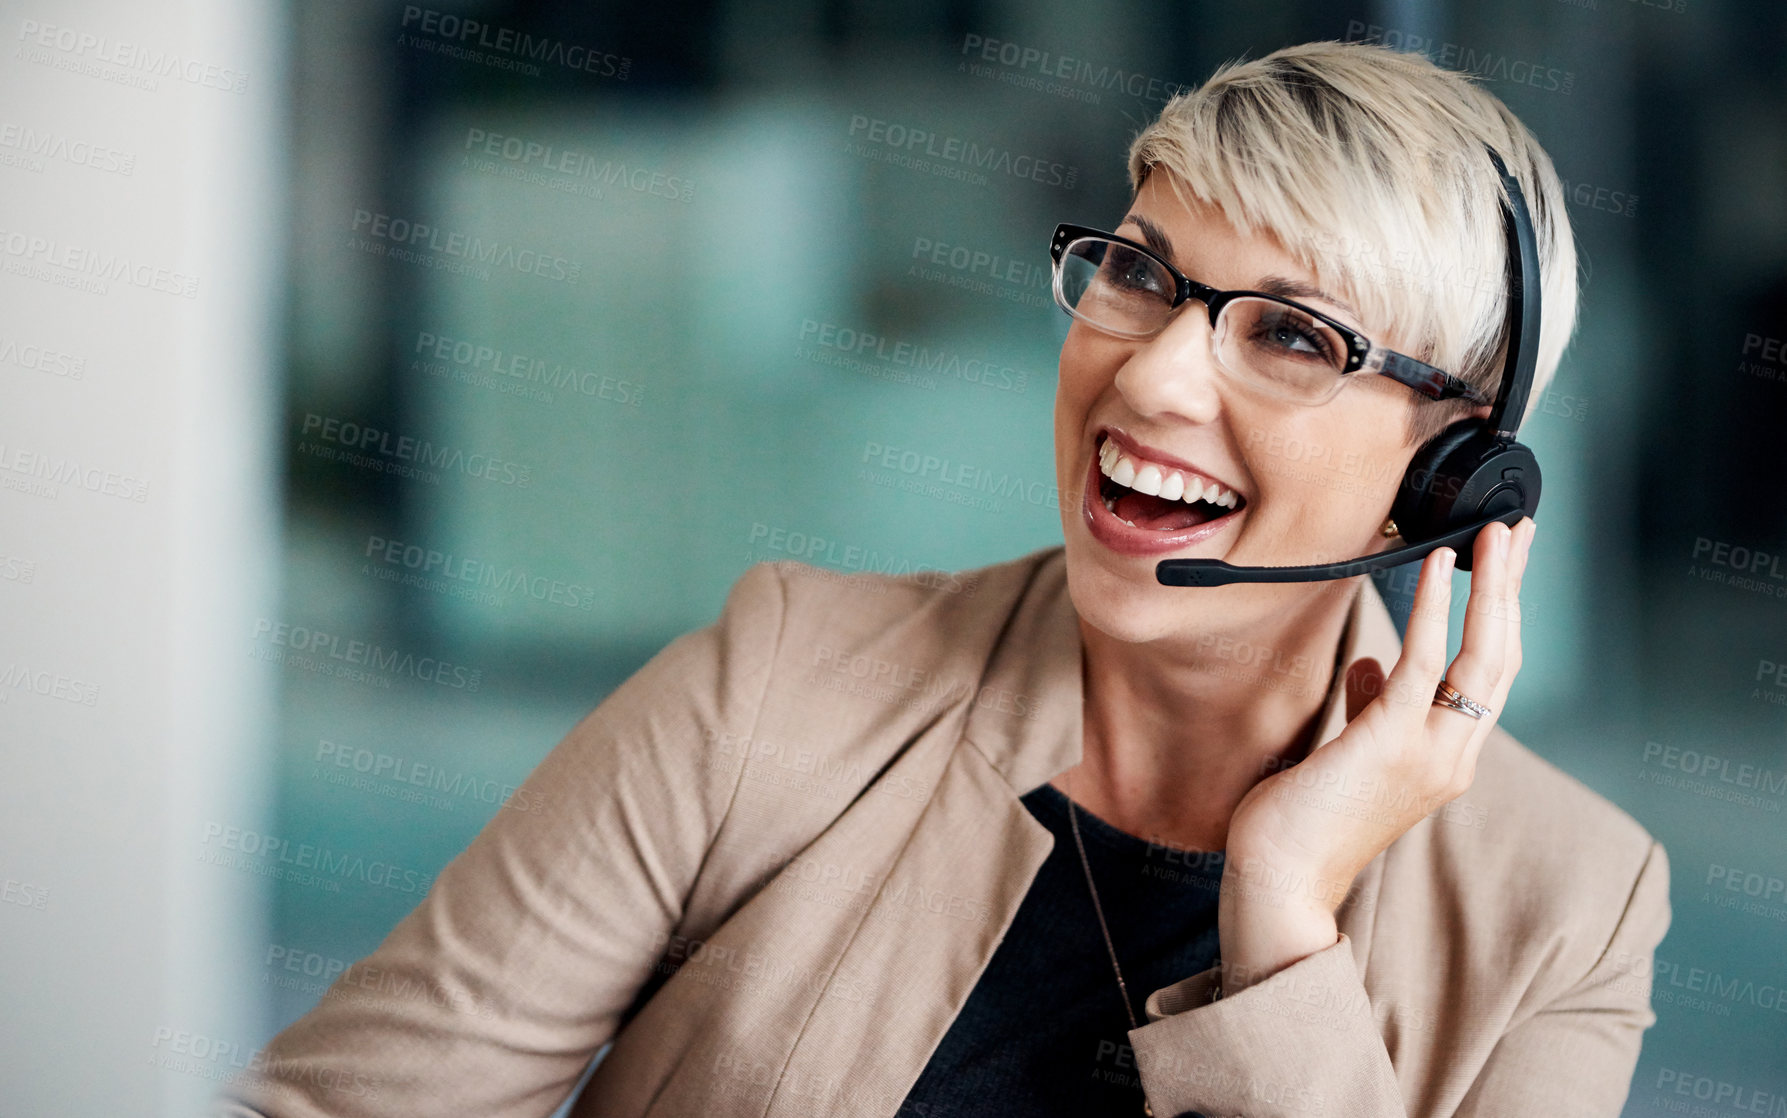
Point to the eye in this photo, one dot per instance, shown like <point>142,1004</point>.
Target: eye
<point>1290,333</point>
<point>1130,271</point>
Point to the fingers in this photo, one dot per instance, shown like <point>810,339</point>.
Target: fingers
<point>1481,661</point>
<point>1424,641</point>
<point>1521,548</point>
<point>1489,653</point>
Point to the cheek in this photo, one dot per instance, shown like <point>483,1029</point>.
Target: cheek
<point>1081,374</point>
<point>1335,468</point>
<point>1079,381</point>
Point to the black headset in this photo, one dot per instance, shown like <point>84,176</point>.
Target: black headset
<point>1469,476</point>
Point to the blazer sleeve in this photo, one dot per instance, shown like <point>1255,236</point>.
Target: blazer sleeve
<point>492,996</point>
<point>1304,1041</point>
<point>1574,1058</point>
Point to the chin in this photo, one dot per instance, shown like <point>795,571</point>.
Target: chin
<point>1119,597</point>
<point>1123,606</point>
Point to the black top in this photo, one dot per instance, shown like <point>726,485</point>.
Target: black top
<point>1044,1032</point>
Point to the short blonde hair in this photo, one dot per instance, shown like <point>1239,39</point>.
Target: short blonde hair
<point>1368,166</point>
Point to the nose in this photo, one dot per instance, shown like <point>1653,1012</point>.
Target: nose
<point>1174,373</point>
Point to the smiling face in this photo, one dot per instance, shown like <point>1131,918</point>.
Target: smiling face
<point>1294,484</point>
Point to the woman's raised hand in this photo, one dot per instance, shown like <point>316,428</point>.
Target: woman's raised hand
<point>1299,837</point>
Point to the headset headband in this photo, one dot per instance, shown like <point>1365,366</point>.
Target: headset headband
<point>1523,310</point>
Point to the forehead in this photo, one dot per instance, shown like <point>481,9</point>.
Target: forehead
<point>1199,239</point>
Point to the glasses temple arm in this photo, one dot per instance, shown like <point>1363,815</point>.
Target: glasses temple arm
<point>1429,380</point>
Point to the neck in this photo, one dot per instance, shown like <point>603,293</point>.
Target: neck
<point>1175,736</point>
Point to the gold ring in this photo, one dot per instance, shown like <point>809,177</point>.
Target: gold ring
<point>1449,696</point>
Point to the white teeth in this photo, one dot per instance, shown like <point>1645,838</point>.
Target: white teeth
<point>1173,485</point>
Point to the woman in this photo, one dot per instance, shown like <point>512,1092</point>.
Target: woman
<point>1077,842</point>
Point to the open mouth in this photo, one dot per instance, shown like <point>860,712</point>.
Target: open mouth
<point>1160,498</point>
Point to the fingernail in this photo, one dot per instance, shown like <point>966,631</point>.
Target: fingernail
<point>1447,558</point>
<point>1501,542</point>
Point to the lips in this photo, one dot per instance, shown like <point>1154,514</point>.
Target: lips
<point>1140,503</point>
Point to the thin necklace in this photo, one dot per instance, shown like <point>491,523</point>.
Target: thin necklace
<point>1074,818</point>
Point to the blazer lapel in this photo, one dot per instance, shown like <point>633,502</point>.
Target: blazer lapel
<point>930,932</point>
<point>957,883</point>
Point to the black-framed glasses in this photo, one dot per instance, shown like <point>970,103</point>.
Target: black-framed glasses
<point>1276,344</point>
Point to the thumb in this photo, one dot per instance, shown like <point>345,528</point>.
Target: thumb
<point>1364,682</point>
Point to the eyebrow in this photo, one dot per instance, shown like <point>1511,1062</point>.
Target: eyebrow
<point>1157,240</point>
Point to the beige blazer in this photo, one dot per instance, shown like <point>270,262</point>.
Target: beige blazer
<point>795,837</point>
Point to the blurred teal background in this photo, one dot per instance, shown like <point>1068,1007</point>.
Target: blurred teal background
<point>727,427</point>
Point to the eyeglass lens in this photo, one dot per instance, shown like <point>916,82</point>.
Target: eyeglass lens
<point>1264,341</point>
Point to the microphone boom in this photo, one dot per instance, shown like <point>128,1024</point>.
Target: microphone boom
<point>1214,572</point>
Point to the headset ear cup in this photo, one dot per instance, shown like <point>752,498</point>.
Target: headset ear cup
<point>1423,500</point>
